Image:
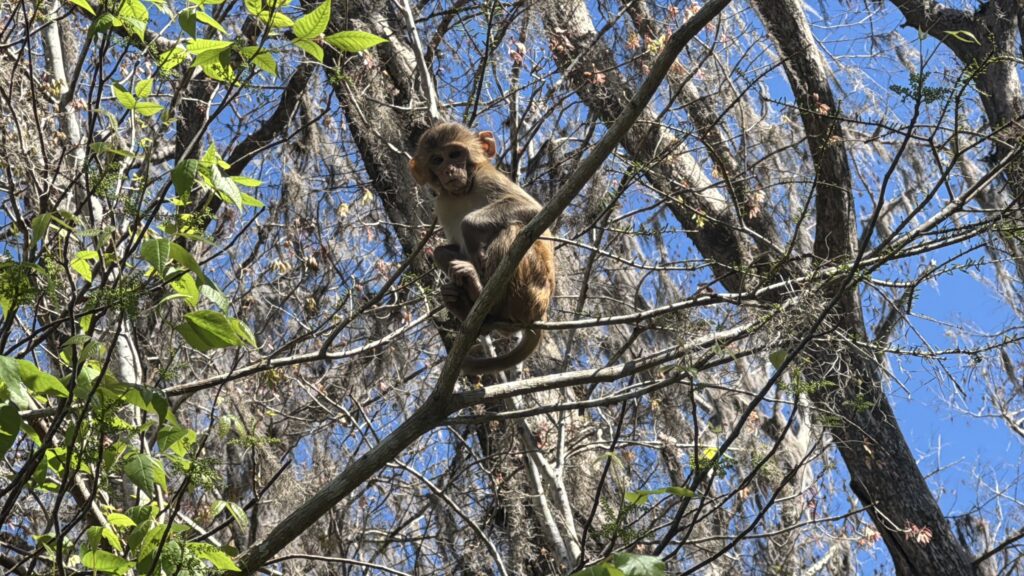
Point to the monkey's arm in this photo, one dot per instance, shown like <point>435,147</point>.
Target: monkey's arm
<point>481,227</point>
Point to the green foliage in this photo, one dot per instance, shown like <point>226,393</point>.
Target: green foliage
<point>72,273</point>
<point>641,496</point>
<point>624,564</point>
<point>206,330</point>
<point>17,284</point>
<point>917,91</point>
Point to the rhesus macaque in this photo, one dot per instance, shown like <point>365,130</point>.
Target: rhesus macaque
<point>481,211</point>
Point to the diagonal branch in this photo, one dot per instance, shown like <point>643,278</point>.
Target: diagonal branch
<point>440,403</point>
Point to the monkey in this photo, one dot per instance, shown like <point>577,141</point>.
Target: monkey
<point>481,210</point>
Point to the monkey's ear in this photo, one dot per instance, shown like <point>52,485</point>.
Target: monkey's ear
<point>487,143</point>
<point>416,175</point>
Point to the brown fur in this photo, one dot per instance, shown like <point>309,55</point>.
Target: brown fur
<point>481,211</point>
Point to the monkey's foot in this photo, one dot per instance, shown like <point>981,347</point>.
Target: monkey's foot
<point>464,275</point>
<point>455,300</point>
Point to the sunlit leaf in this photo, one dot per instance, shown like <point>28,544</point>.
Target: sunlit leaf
<point>314,23</point>
<point>103,561</point>
<point>311,48</point>
<point>226,187</point>
<point>638,565</point>
<point>207,330</point>
<point>84,5</point>
<point>354,40</point>
<point>210,21</point>
<point>40,382</point>
<point>187,288</point>
<point>261,58</point>
<point>148,108</point>
<point>81,263</point>
<point>202,45</point>
<point>123,96</point>
<point>275,19</point>
<point>220,559</point>
<point>172,58</point>
<point>118,520</point>
<point>144,88</point>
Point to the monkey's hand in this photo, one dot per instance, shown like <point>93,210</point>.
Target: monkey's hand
<point>445,255</point>
<point>464,275</point>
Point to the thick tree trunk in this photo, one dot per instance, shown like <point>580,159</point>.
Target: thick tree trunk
<point>883,471</point>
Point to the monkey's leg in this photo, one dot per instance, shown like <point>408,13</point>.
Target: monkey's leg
<point>456,300</point>
<point>465,276</point>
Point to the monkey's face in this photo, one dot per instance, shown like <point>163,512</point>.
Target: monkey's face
<point>451,166</point>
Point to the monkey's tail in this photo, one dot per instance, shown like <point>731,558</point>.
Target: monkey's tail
<point>489,364</point>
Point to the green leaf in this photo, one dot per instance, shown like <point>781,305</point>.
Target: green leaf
<point>40,224</point>
<point>311,48</point>
<point>103,23</point>
<point>135,17</point>
<point>184,177</point>
<point>243,332</point>
<point>187,20</point>
<point>146,472</point>
<point>638,565</point>
<point>187,288</point>
<point>123,96</point>
<point>275,19</point>
<point>313,24</point>
<point>214,295</point>
<point>148,108</point>
<point>80,263</point>
<point>254,6</point>
<point>246,181</point>
<point>10,424</point>
<point>251,201</point>
<point>199,46</point>
<point>602,569</point>
<point>206,330</point>
<point>354,40</point>
<point>103,561</point>
<point>84,5</point>
<point>41,382</point>
<point>963,36</point>
<point>261,58</point>
<point>680,491</point>
<point>217,65</point>
<point>118,520</point>
<point>226,187</point>
<point>175,439</point>
<point>172,58</point>
<point>210,21</point>
<point>220,559</point>
<point>182,256</point>
<point>157,251</point>
<point>777,357</point>
<point>234,510</point>
<point>144,88</point>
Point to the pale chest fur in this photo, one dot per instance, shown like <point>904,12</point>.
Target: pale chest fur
<point>451,210</point>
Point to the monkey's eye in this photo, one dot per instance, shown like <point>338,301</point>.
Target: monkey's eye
<point>455,154</point>
<point>436,160</point>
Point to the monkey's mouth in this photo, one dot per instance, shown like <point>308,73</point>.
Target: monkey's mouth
<point>456,184</point>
